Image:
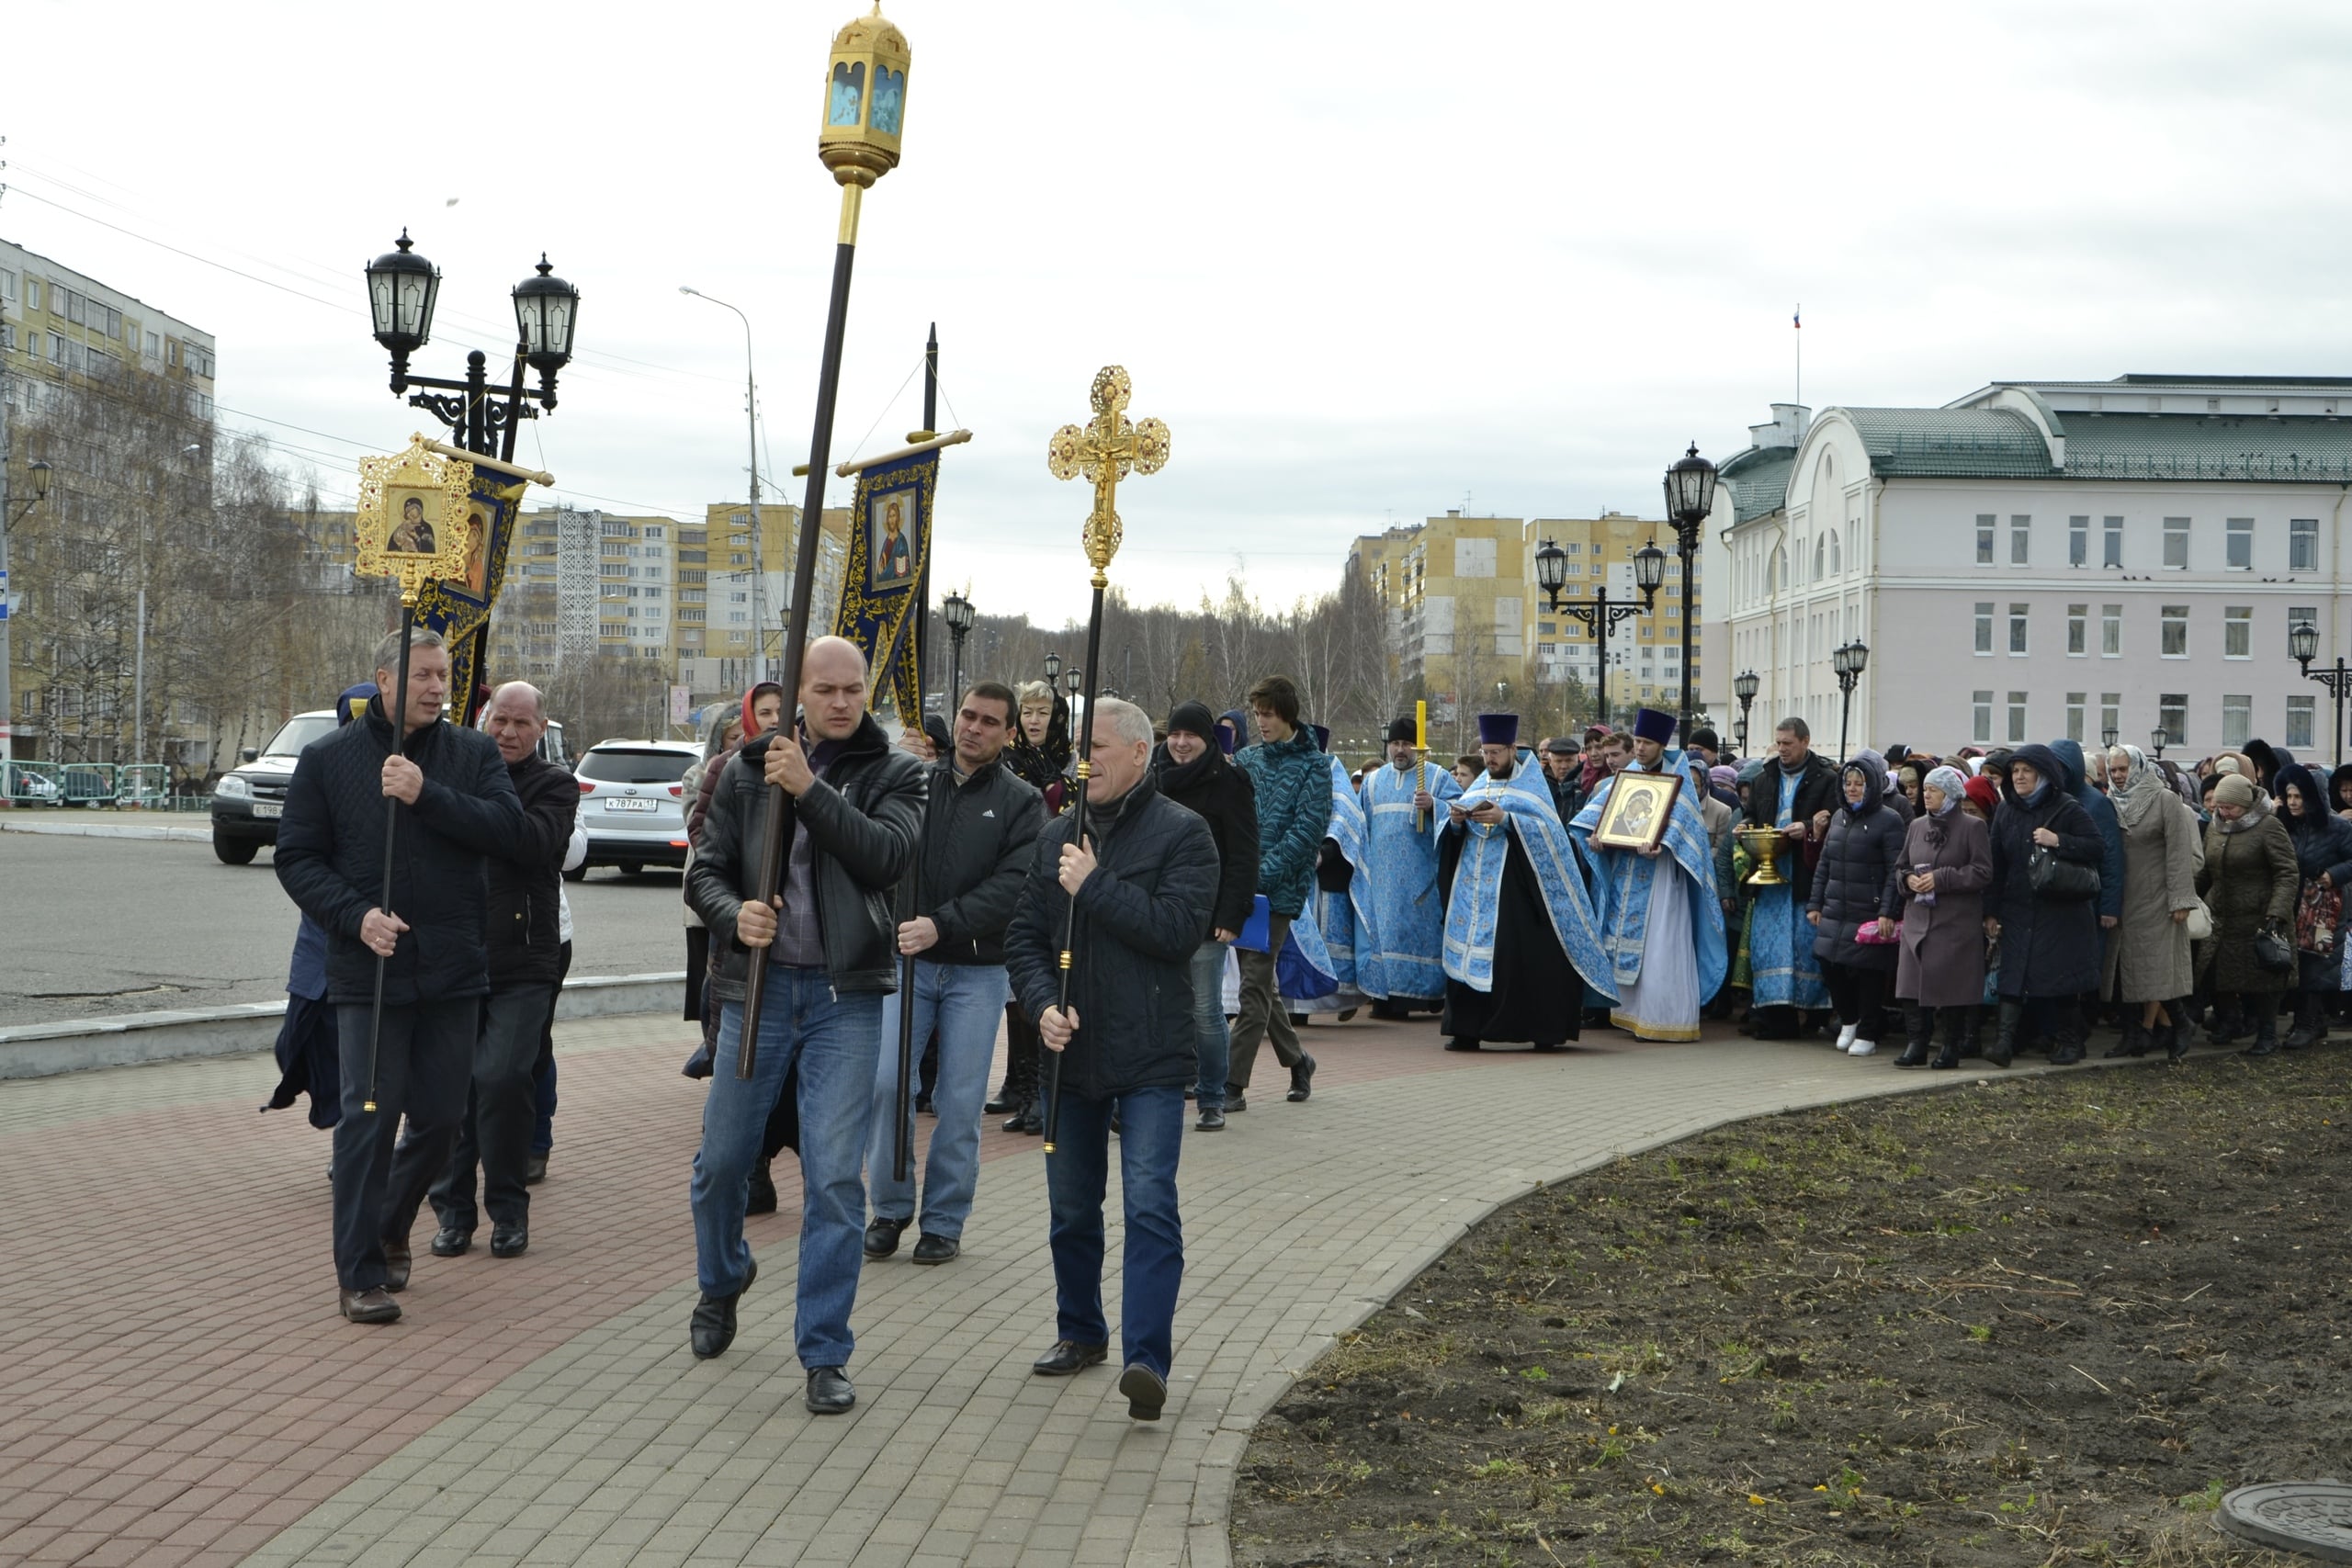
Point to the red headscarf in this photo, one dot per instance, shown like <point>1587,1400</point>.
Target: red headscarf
<point>1981,790</point>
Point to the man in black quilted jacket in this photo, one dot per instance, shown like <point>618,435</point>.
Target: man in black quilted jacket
<point>454,806</point>
<point>1144,884</point>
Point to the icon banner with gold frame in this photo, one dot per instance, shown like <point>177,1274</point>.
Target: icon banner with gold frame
<point>1639,808</point>
<point>411,526</point>
<point>889,561</point>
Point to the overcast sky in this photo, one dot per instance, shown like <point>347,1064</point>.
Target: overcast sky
<point>1368,260</point>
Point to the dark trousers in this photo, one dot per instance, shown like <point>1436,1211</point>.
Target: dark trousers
<point>423,1067</point>
<point>500,1111</point>
<point>1262,1016</point>
<point>1151,1138</point>
<point>543,1070</point>
<point>1860,996</point>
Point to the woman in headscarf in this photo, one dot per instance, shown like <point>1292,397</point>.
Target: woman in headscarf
<point>2324,857</point>
<point>1855,895</point>
<point>1946,864</point>
<point>1040,751</point>
<point>2339,790</point>
<point>2249,880</point>
<point>1910,780</point>
<point>2155,971</point>
<point>2050,940</point>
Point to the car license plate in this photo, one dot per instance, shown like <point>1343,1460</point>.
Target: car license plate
<point>629,805</point>
<point>272,810</point>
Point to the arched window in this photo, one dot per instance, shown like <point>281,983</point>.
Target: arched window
<point>1820,557</point>
<point>1837,556</point>
<point>1777,571</point>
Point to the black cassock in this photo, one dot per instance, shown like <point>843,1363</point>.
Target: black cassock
<point>1537,995</point>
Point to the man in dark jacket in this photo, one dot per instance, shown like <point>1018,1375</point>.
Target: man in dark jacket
<point>980,825</point>
<point>1797,794</point>
<point>1190,768</point>
<point>1145,884</point>
<point>1293,787</point>
<point>428,944</point>
<point>825,952</point>
<point>1561,762</point>
<point>525,944</point>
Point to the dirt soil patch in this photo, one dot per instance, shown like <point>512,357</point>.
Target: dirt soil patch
<point>2044,1320</point>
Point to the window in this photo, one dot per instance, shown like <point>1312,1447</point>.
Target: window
<point>2302,544</point>
<point>2110,712</point>
<point>2237,631</point>
<point>2177,544</point>
<point>2176,631</point>
<point>2110,631</point>
<point>2017,628</point>
<point>2111,541</point>
<point>2171,712</point>
<point>1984,731</point>
<point>2075,717</point>
<point>32,293</point>
<point>1984,626</point>
<point>1984,521</point>
<point>2237,719</point>
<point>2299,722</point>
<point>2077,629</point>
<point>2016,718</point>
<point>2020,538</point>
<point>2240,543</point>
<point>2078,541</point>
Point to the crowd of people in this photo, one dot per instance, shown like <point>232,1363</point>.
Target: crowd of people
<point>1232,875</point>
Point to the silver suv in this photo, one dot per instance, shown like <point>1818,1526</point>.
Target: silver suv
<point>631,803</point>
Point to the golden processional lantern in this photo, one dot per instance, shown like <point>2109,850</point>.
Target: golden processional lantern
<point>865,100</point>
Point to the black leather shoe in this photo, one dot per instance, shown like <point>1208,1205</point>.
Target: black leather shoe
<point>829,1392</point>
<point>451,1242</point>
<point>763,1199</point>
<point>1146,1389</point>
<point>930,1248</point>
<point>1001,1102</point>
<point>1212,1120</point>
<point>712,1328</point>
<point>1461,1043</point>
<point>374,1305</point>
<point>509,1241</point>
<point>535,1170</point>
<point>396,1262</point>
<point>2068,1052</point>
<point>1302,1080</point>
<point>882,1235</point>
<point>1235,1103</point>
<point>1069,1356</point>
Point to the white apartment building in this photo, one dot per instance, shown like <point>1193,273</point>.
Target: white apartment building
<point>2042,559</point>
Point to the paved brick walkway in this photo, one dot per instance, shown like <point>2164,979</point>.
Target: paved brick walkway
<point>176,1387</point>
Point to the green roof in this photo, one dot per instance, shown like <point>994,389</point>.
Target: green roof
<point>2295,449</point>
<point>1985,443</point>
<point>1759,479</point>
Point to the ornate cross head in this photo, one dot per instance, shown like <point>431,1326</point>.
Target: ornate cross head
<point>1106,451</point>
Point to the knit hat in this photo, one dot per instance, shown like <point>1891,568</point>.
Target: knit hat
<point>1981,790</point>
<point>2235,789</point>
<point>1193,718</point>
<point>1947,783</point>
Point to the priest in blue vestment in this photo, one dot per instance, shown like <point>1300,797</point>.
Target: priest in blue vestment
<point>1405,809</point>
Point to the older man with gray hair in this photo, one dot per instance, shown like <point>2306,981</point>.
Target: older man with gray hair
<point>1144,883</point>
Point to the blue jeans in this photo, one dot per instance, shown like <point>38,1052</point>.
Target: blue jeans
<point>965,1001</point>
<point>1151,1137</point>
<point>1215,1045</point>
<point>832,1039</point>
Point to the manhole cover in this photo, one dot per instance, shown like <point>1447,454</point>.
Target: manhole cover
<point>2313,1518</point>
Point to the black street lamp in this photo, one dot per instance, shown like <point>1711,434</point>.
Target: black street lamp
<point>957,611</point>
<point>402,289</point>
<point>2156,739</point>
<point>2302,646</point>
<point>1599,616</point>
<point>1847,663</point>
<point>2110,734</point>
<point>1690,497</point>
<point>1054,668</point>
<point>1745,688</point>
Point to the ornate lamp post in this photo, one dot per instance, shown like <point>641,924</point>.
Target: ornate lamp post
<point>1745,688</point>
<point>1053,667</point>
<point>2302,646</point>
<point>1690,497</point>
<point>403,288</point>
<point>956,612</point>
<point>1847,663</point>
<point>1074,681</point>
<point>1600,616</point>
<point>2109,736</point>
<point>2156,739</point>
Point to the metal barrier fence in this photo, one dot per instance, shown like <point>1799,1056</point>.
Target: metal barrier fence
<point>88,783</point>
<point>143,787</point>
<point>31,783</point>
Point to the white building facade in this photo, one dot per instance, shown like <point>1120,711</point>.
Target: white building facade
<point>2043,559</point>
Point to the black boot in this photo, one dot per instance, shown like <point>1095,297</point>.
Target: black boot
<point>1919,1026</point>
<point>2266,1027</point>
<point>1972,1034</point>
<point>2309,1028</point>
<point>2004,1043</point>
<point>2173,1035</point>
<point>2067,1049</point>
<point>2227,1024</point>
<point>2135,1041</point>
<point>1948,1057</point>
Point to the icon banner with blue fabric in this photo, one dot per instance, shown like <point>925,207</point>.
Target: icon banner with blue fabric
<point>890,559</point>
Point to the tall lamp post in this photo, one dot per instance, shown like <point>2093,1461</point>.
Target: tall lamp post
<point>1600,616</point>
<point>1690,497</point>
<point>39,473</point>
<point>1849,662</point>
<point>957,611</point>
<point>1054,668</point>
<point>1745,688</point>
<point>2302,644</point>
<point>2157,738</point>
<point>759,557</point>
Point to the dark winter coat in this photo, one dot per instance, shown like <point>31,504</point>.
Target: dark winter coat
<point>1293,783</point>
<point>2250,879</point>
<point>863,815</point>
<point>976,839</point>
<point>1854,883</point>
<point>2321,847</point>
<point>1943,960</point>
<point>2049,947</point>
<point>526,878</point>
<point>1221,795</point>
<point>2103,818</point>
<point>1141,916</point>
<point>330,856</point>
<point>1817,791</point>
